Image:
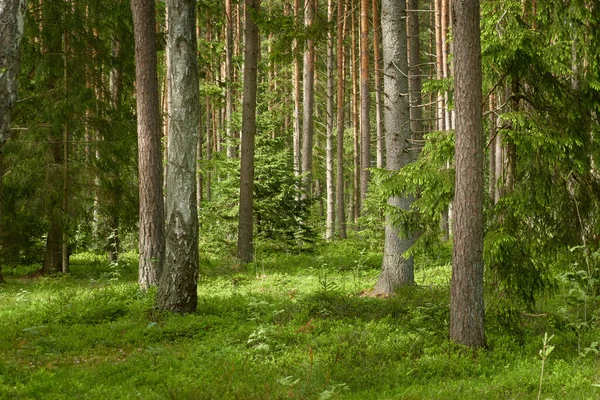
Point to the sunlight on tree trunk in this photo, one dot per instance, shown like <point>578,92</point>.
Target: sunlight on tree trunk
<point>151,214</point>
<point>178,282</point>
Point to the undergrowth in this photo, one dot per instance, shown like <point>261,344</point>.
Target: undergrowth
<point>288,326</point>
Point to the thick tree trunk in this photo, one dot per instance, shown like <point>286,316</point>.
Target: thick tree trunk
<point>151,224</point>
<point>466,295</point>
<point>177,290</point>
<point>341,87</point>
<point>11,33</point>
<point>308,102</point>
<point>365,101</point>
<point>397,270</point>
<point>246,223</point>
<point>329,179</point>
<point>378,88</point>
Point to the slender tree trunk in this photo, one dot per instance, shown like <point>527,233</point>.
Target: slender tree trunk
<point>341,87</point>
<point>308,106</point>
<point>151,224</point>
<point>397,270</point>
<point>492,146</point>
<point>329,179</point>
<point>356,188</point>
<point>414,75</point>
<point>231,148</point>
<point>297,96</point>
<point>378,88</point>
<point>466,294</point>
<point>365,101</point>
<point>177,291</point>
<point>65,193</point>
<point>245,232</point>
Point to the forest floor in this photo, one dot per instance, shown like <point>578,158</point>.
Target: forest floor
<point>288,326</point>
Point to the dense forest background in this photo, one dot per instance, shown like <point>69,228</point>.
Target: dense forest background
<point>354,153</point>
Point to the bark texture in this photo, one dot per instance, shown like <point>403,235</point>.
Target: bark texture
<point>365,101</point>
<point>177,291</point>
<point>396,269</point>
<point>329,178</point>
<point>246,223</point>
<point>297,97</point>
<point>11,33</point>
<point>308,102</point>
<point>378,85</point>
<point>341,87</point>
<point>151,223</point>
<point>466,295</point>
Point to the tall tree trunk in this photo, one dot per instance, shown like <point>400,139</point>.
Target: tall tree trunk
<point>297,96</point>
<point>466,294</point>
<point>414,75</point>
<point>355,122</point>
<point>378,88</point>
<point>151,224</point>
<point>492,146</point>
<point>308,102</point>
<point>341,87</point>
<point>251,52</point>
<point>365,101</point>
<point>329,179</point>
<point>177,290</point>
<point>396,269</point>
<point>231,148</point>
<point>65,193</point>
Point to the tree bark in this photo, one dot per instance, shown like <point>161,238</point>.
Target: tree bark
<point>151,223</point>
<point>378,88</point>
<point>466,295</point>
<point>355,122</point>
<point>414,74</point>
<point>365,101</point>
<point>297,97</point>
<point>251,52</point>
<point>231,148</point>
<point>308,102</point>
<point>329,179</point>
<point>341,87</point>
<point>397,270</point>
<point>11,33</point>
<point>177,290</point>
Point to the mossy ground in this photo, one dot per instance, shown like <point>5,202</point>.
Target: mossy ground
<point>288,326</point>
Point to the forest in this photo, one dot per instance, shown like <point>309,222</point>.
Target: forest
<point>299,199</point>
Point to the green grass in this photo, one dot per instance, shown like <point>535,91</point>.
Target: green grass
<point>289,326</point>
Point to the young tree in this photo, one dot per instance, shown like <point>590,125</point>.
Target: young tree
<point>396,269</point>
<point>151,223</point>
<point>11,33</point>
<point>251,52</point>
<point>466,295</point>
<point>177,290</point>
